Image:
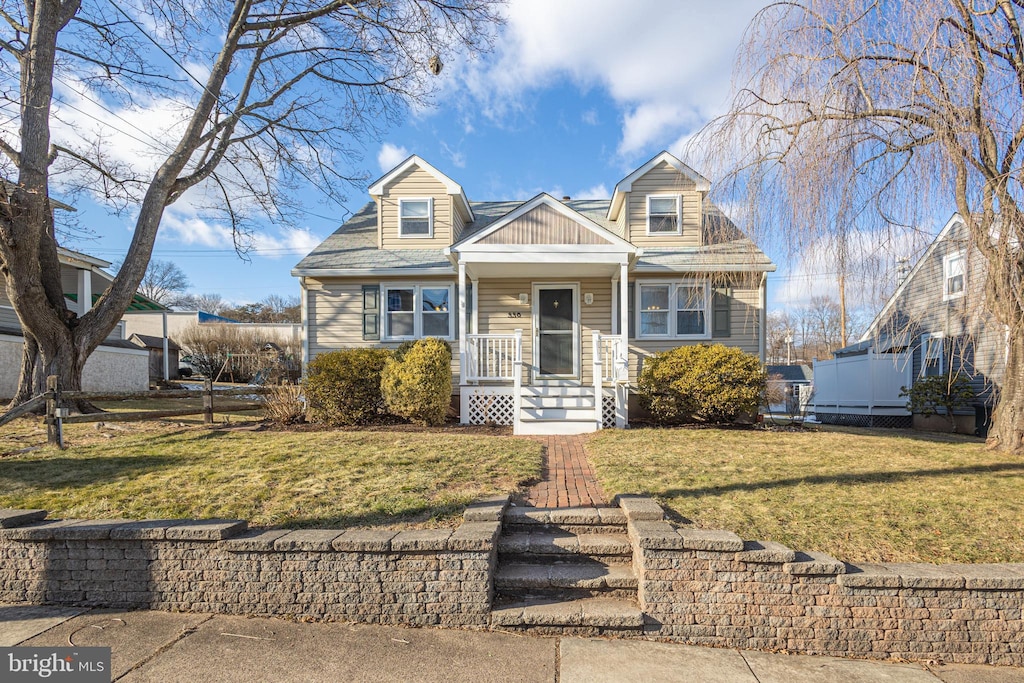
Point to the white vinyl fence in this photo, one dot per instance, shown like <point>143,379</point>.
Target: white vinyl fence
<point>863,385</point>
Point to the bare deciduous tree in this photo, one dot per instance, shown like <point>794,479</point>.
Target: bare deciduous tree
<point>164,283</point>
<point>284,88</point>
<point>873,115</point>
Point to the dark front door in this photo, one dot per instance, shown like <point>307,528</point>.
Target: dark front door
<point>556,332</point>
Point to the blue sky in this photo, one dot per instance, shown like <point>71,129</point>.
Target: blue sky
<point>576,94</point>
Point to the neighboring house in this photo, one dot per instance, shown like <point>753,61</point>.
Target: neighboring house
<point>153,322</point>
<point>116,365</point>
<point>155,347</point>
<point>935,323</point>
<point>535,296</point>
<point>784,387</point>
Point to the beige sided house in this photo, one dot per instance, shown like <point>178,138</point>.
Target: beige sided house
<point>547,304</point>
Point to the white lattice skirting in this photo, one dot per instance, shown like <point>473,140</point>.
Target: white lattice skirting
<point>488,405</point>
<point>608,411</point>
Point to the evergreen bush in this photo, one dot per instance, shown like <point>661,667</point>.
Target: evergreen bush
<point>705,383</point>
<point>419,385</point>
<point>344,387</point>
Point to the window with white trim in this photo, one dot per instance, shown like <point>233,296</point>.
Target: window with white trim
<point>664,216</point>
<point>953,276</point>
<point>416,311</point>
<point>673,310</point>
<point>933,355</point>
<point>416,217</point>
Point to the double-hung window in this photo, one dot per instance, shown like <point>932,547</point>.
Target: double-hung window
<point>673,309</point>
<point>664,216</point>
<point>416,217</point>
<point>933,355</point>
<point>415,311</point>
<point>953,276</point>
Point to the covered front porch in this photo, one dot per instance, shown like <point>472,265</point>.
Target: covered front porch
<point>541,324</point>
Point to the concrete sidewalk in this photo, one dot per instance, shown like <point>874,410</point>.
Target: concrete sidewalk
<point>170,647</point>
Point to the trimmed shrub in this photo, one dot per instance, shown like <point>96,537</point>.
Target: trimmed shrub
<point>705,383</point>
<point>343,387</point>
<point>419,386</point>
<point>939,395</point>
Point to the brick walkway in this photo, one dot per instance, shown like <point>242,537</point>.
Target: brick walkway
<point>568,479</point>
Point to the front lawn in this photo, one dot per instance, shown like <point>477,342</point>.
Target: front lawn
<point>860,495</point>
<point>271,478</point>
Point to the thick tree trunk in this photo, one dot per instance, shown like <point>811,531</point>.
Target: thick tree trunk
<point>1007,432</point>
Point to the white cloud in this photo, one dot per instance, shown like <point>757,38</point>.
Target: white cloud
<point>667,66</point>
<point>391,155</point>
<point>192,230</point>
<point>590,117</point>
<point>457,158</point>
<point>599,191</point>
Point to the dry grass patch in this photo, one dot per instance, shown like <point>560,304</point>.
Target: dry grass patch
<point>860,495</point>
<point>271,478</point>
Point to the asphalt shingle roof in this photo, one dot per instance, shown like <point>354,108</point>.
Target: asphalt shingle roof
<point>353,246</point>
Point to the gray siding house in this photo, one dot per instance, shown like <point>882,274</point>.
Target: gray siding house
<point>937,323</point>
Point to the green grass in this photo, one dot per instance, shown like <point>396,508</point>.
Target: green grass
<point>271,478</point>
<point>860,495</point>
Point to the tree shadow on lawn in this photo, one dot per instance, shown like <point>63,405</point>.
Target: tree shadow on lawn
<point>81,472</point>
<point>848,478</point>
<point>417,514</point>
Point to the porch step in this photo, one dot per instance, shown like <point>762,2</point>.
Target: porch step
<point>542,427</point>
<point>558,401</point>
<point>584,616</point>
<point>573,389</point>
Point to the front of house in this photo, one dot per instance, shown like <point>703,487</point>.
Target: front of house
<point>550,305</point>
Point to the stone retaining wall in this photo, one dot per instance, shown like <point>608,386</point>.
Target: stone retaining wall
<point>415,577</point>
<point>713,588</point>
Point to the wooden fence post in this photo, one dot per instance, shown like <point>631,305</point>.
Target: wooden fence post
<point>208,401</point>
<point>54,428</point>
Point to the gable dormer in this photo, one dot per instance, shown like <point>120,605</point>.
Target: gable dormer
<point>418,207</point>
<point>660,204</point>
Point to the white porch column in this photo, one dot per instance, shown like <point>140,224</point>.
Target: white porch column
<point>84,291</point>
<point>624,301</point>
<point>463,322</point>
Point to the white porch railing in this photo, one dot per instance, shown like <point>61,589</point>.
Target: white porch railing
<point>492,357</point>
<point>611,366</point>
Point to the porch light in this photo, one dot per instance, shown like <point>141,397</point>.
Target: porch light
<point>524,299</point>
<point>588,298</point>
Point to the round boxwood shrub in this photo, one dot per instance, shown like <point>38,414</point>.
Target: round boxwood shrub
<point>419,385</point>
<point>705,383</point>
<point>343,387</point>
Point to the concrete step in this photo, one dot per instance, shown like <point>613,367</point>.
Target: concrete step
<point>584,616</point>
<point>536,427</point>
<point>577,520</point>
<point>554,545</point>
<point>590,576</point>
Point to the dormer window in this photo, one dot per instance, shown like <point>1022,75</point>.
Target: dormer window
<point>416,217</point>
<point>953,276</point>
<point>664,216</point>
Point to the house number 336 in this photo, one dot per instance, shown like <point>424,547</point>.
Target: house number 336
<point>515,314</point>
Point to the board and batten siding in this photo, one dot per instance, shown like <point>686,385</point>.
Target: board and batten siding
<point>335,313</point>
<point>415,182</point>
<point>663,180</point>
<point>543,225</point>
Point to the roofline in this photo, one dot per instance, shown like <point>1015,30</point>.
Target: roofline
<point>354,272</point>
<point>376,188</point>
<point>626,184</point>
<point>870,332</point>
<point>708,268</point>
<point>560,207</point>
<point>70,256</point>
